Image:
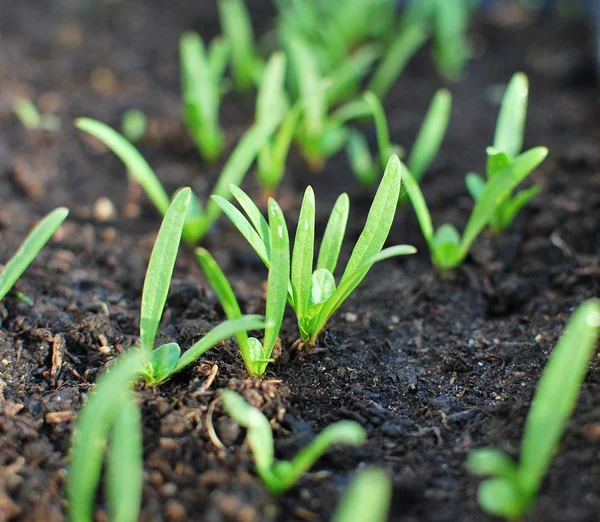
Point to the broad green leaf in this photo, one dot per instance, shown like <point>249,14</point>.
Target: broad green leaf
<point>446,247</point>
<point>271,98</point>
<point>368,497</point>
<point>162,362</point>
<point>556,394</point>
<point>254,214</point>
<point>446,234</point>
<point>30,248</point>
<point>260,435</point>
<point>125,464</point>
<point>323,286</point>
<point>278,280</point>
<point>381,126</point>
<point>475,185</point>
<point>361,161</point>
<point>380,218</point>
<point>510,127</point>
<point>334,234</point>
<point>342,432</point>
<point>431,134</point>
<point>27,113</point>
<point>92,431</point>
<point>160,268</point>
<point>245,228</point>
<point>302,257</point>
<point>500,497</point>
<point>226,296</point>
<point>219,333</point>
<point>399,52</point>
<point>246,66</point>
<point>136,165</point>
<point>349,284</point>
<point>420,206</point>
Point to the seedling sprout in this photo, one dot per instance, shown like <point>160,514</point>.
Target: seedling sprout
<point>280,476</point>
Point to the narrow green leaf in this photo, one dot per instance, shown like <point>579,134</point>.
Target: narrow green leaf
<point>226,296</point>
<point>30,248</point>
<point>133,124</point>
<point>136,165</point>
<point>452,48</point>
<point>246,66</point>
<point>514,205</point>
<point>446,253</point>
<point>345,79</point>
<point>302,257</point>
<point>27,113</point>
<point>219,333</point>
<point>160,268</point>
<point>491,462</point>
<point>556,394</point>
<point>260,435</point>
<point>380,218</point>
<point>497,160</point>
<point>254,214</point>
<point>361,161</point>
<point>125,465</point>
<point>219,52</point>
<point>278,281</point>
<point>399,52</point>
<point>510,127</point>
<point>271,98</point>
<point>368,497</point>
<point>92,430</point>
<point>431,134</point>
<point>162,362</point>
<point>381,126</point>
<point>420,206</point>
<point>501,498</point>
<point>475,185</point>
<point>245,228</point>
<point>334,234</point>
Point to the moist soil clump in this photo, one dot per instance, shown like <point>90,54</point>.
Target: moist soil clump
<point>431,368</point>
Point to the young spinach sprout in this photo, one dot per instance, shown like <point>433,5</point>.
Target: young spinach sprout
<point>111,418</point>
<point>313,293</point>
<point>199,220</point>
<point>256,355</point>
<point>425,148</point>
<point>30,248</point>
<point>246,63</point>
<point>508,142</point>
<point>513,489</point>
<point>368,498</point>
<point>133,125</point>
<point>201,75</point>
<point>272,98</point>
<point>448,249</point>
<point>280,476</point>
<point>31,118</point>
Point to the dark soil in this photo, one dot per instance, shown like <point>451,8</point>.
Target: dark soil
<point>430,368</point>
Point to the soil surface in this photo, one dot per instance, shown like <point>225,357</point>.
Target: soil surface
<point>430,368</point>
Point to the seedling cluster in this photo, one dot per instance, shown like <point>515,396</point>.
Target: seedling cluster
<point>308,92</point>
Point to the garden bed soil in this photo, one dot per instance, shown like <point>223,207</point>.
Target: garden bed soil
<point>430,368</point>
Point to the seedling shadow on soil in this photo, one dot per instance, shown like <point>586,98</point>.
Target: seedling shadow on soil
<point>431,369</point>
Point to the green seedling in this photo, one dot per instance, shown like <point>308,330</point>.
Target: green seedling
<point>201,75</point>
<point>246,63</point>
<point>508,142</point>
<point>256,355</point>
<point>30,248</point>
<point>512,491</point>
<point>111,418</point>
<point>272,99</point>
<point>281,476</point>
<point>368,498</point>
<point>133,125</point>
<point>31,118</point>
<point>424,150</point>
<point>448,249</point>
<point>199,219</point>
<point>313,293</point>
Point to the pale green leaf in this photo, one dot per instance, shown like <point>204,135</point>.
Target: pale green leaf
<point>302,257</point>
<point>163,361</point>
<point>323,286</point>
<point>510,126</point>
<point>334,234</point>
<point>420,206</point>
<point>368,498</point>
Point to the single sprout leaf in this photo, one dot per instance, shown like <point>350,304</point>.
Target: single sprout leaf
<point>30,248</point>
<point>510,127</point>
<point>302,257</point>
<point>323,286</point>
<point>368,498</point>
<point>163,361</point>
<point>334,234</point>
